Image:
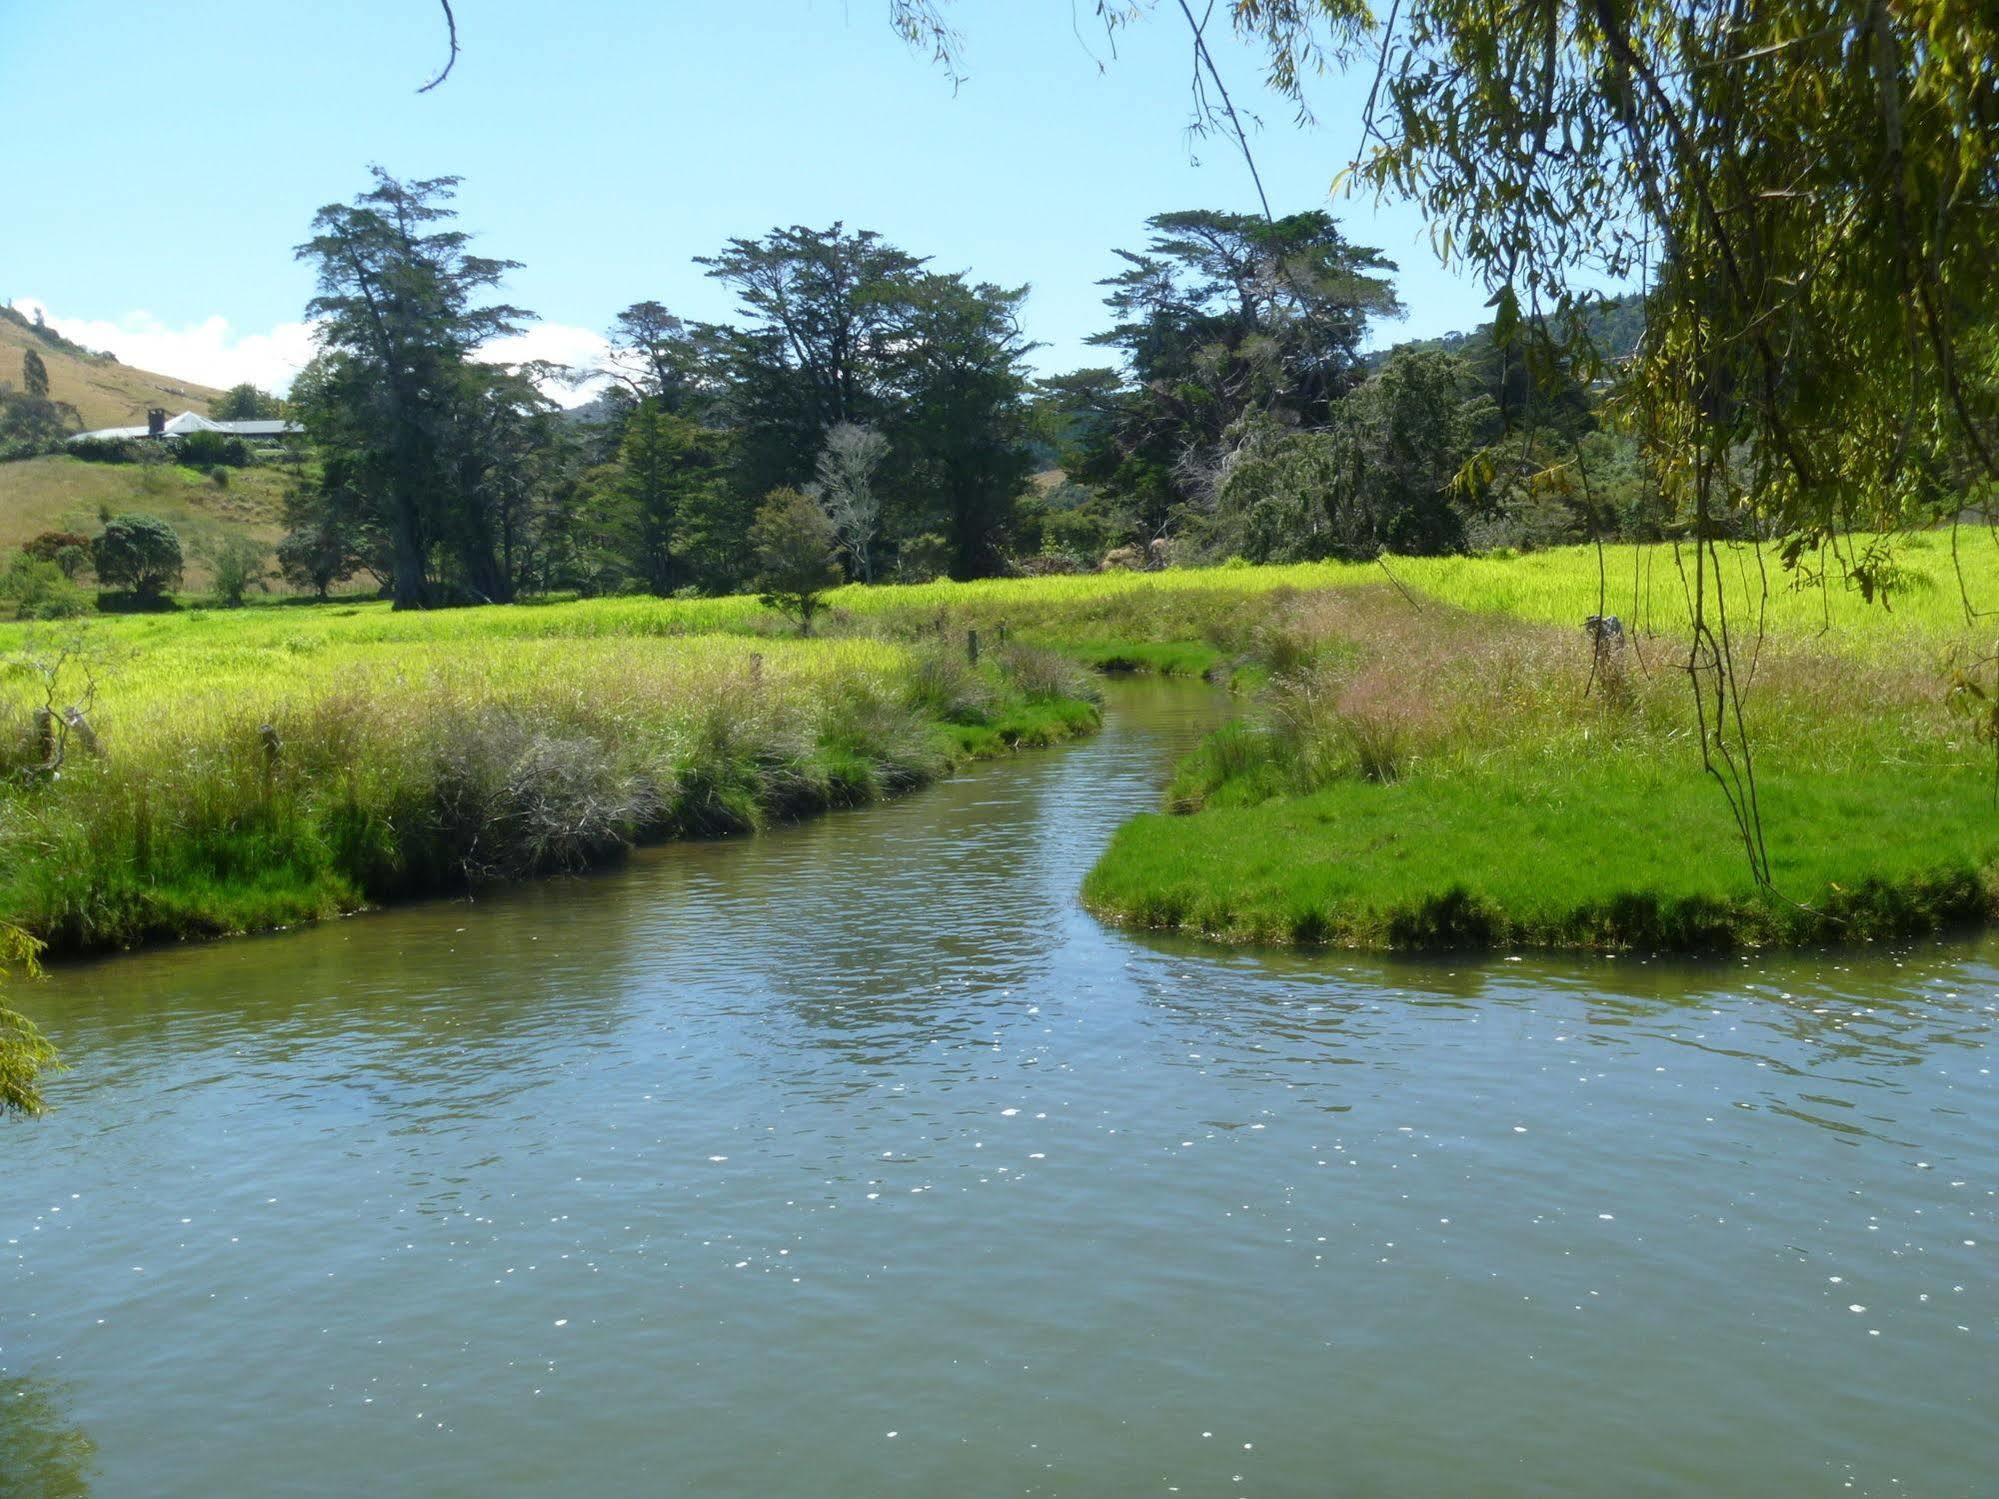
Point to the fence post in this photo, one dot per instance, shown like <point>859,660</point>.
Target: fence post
<point>45,736</point>
<point>972,646</point>
<point>273,748</point>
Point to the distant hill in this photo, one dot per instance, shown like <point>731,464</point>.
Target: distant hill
<point>104,392</point>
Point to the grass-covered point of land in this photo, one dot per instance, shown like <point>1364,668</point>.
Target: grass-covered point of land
<point>1422,776</point>
<point>222,781</point>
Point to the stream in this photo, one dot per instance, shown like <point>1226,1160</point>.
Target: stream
<point>858,1160</point>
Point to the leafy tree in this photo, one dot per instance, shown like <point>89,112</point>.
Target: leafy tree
<point>845,490</point>
<point>24,1051</point>
<point>400,394</point>
<point>239,564</point>
<point>1377,476</point>
<point>794,544</point>
<point>333,532</point>
<point>961,419</point>
<point>823,308</point>
<point>140,553</point>
<point>1222,317</point>
<point>1227,313</point>
<point>659,357</point>
<point>652,508</point>
<point>246,403</point>
<point>315,558</point>
<point>30,420</point>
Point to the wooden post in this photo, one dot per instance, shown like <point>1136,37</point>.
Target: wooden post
<point>972,646</point>
<point>1002,632</point>
<point>273,749</point>
<point>45,736</point>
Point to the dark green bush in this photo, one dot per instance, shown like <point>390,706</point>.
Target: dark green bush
<point>140,553</point>
<point>209,450</point>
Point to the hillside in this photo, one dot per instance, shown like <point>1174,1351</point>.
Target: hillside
<point>66,494</point>
<point>104,392</point>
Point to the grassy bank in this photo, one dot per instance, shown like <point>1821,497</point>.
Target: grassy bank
<point>240,785</point>
<point>1431,761</point>
<point>1421,776</point>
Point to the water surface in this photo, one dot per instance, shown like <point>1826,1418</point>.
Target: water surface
<point>858,1160</point>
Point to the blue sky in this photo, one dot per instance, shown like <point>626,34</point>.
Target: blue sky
<point>604,143</point>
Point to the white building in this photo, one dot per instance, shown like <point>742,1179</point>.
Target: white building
<point>157,425</point>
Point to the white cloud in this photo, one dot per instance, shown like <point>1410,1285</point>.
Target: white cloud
<point>211,352</point>
<point>560,343</point>
<point>208,352</point>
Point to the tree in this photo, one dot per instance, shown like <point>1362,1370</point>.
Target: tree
<point>332,529</point>
<point>660,357</point>
<point>794,545</point>
<point>845,490</point>
<point>139,553</point>
<point>1224,313</point>
<point>960,423</point>
<point>246,403</point>
<point>239,564</point>
<point>54,546</point>
<point>823,308</point>
<point>652,507</point>
<point>30,419</point>
<point>1222,318</point>
<point>1378,476</point>
<point>400,318</point>
<point>24,1051</point>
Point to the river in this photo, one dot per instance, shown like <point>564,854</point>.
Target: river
<point>857,1160</point>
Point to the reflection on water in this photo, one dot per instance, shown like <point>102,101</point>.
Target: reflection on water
<point>858,1160</point>
<point>43,1455</point>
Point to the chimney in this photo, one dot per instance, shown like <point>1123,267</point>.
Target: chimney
<point>156,421</point>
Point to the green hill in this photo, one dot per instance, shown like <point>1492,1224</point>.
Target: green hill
<point>67,494</point>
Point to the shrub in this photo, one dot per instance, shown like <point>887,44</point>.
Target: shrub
<point>208,450</point>
<point>514,800</point>
<point>1046,676</point>
<point>49,546</point>
<point>140,553</point>
<point>39,590</point>
<point>239,565</point>
<point>923,559</point>
<point>104,449</point>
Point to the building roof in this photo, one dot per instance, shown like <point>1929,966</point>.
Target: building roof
<point>188,422</point>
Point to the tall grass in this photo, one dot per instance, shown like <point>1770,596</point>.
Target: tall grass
<point>232,793</point>
<point>1458,695</point>
<point>1420,775</point>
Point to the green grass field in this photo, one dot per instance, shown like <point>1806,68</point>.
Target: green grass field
<point>1426,758</point>
<point>67,494</point>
